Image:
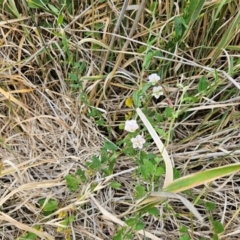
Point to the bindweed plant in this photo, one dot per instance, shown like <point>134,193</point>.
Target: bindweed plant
<point>156,179</point>
<point>113,113</point>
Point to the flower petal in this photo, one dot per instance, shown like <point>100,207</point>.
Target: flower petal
<point>138,141</point>
<point>157,92</point>
<point>153,78</point>
<point>131,126</point>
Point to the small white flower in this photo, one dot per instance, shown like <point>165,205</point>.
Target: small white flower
<point>153,78</point>
<point>138,141</point>
<point>131,125</point>
<point>157,92</point>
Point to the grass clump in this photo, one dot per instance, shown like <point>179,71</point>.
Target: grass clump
<point>119,120</point>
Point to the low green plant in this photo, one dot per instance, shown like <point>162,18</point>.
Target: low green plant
<point>74,180</point>
<point>65,223</point>
<point>191,44</point>
<point>30,235</point>
<point>48,205</point>
<point>157,179</point>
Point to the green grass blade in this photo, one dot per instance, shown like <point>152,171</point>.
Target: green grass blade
<point>194,11</point>
<point>11,7</point>
<point>161,147</point>
<point>200,178</point>
<point>229,34</point>
<point>216,17</point>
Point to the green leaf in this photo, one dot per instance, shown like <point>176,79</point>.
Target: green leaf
<point>136,98</point>
<point>142,49</point>
<point>189,99</point>
<point>73,77</point>
<point>54,9</point>
<point>151,156</point>
<point>75,86</point>
<point>104,155</point>
<point>149,166</point>
<point>159,117</point>
<point>210,206</point>
<point>119,235</point>
<point>145,173</point>
<point>95,113</point>
<point>82,67</point>
<point>129,151</point>
<point>215,237</point>
<point>194,11</point>
<point>158,160</point>
<point>37,3</point>
<point>147,59</point>
<point>29,235</point>
<point>60,19</point>
<point>183,229</point>
<point>161,132</point>
<point>153,211</point>
<point>110,146</point>
<point>218,227</point>
<point>50,206</point>
<point>71,219</point>
<point>179,28</point>
<point>81,174</point>
<point>139,226</point>
<point>72,182</point>
<point>203,85</point>
<point>93,186</point>
<point>131,222</point>
<point>68,220</point>
<point>185,237</point>
<point>94,164</point>
<point>153,6</point>
<point>145,88</point>
<point>140,191</point>
<point>159,171</point>
<point>115,185</point>
<point>168,112</point>
<point>176,173</point>
<point>128,236</point>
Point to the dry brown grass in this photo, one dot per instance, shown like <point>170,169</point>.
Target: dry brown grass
<point>45,132</point>
<point>42,141</point>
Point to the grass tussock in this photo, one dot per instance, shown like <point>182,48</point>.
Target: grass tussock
<point>72,73</point>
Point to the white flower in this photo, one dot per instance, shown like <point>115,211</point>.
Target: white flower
<point>157,92</point>
<point>131,125</point>
<point>138,142</point>
<point>153,78</point>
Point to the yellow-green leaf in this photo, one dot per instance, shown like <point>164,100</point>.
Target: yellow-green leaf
<point>200,178</point>
<point>129,102</point>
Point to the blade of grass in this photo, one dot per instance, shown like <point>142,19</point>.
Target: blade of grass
<point>122,53</point>
<point>113,218</point>
<point>189,182</point>
<point>196,179</point>
<point>162,149</point>
<point>9,96</point>
<point>42,235</point>
<point>194,11</point>
<point>187,203</point>
<point>228,35</point>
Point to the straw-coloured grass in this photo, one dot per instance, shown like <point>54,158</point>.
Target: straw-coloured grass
<point>54,73</point>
